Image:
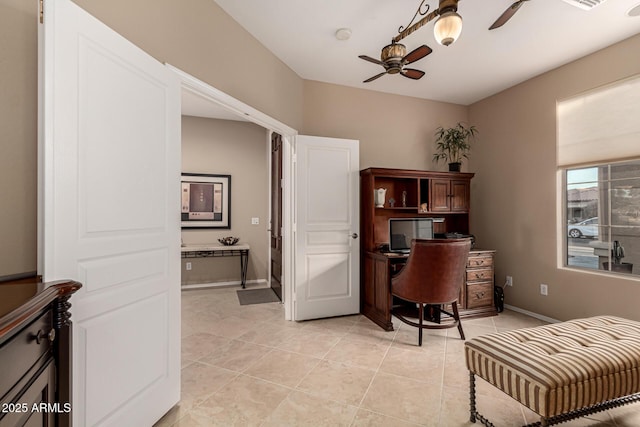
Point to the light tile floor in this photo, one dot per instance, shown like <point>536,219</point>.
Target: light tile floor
<point>247,366</point>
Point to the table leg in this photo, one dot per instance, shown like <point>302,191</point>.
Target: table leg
<point>244,258</point>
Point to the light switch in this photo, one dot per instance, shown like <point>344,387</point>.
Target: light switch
<point>255,221</point>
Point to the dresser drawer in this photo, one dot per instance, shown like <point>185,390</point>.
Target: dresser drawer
<point>479,274</point>
<point>479,294</point>
<point>22,351</point>
<point>480,261</point>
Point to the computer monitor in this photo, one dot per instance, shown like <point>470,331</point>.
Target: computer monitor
<point>403,230</point>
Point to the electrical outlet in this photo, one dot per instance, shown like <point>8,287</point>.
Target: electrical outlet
<point>509,281</point>
<point>188,266</point>
<point>544,289</point>
<point>255,221</point>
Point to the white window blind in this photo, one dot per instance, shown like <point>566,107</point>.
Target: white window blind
<point>600,125</point>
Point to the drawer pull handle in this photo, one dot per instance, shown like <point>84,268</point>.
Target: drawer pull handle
<point>51,336</point>
<point>480,295</point>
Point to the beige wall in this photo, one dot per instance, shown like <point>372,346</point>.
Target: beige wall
<point>394,131</point>
<point>198,37</point>
<point>18,136</point>
<point>193,35</point>
<point>514,204</point>
<point>238,149</point>
<point>513,193</point>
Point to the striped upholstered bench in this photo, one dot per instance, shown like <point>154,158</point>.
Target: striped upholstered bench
<point>560,371</point>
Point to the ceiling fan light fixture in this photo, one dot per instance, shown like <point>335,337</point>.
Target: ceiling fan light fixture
<point>393,51</point>
<point>447,28</point>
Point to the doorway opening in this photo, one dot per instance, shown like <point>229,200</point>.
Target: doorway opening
<point>222,106</point>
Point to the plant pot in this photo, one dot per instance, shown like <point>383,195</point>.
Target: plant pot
<point>624,267</point>
<point>455,167</point>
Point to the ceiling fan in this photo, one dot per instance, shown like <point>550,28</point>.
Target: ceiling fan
<point>511,10</point>
<point>394,57</point>
<point>507,14</point>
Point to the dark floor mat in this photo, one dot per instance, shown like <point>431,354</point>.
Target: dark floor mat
<point>256,296</point>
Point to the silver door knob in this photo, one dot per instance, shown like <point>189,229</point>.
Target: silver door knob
<point>354,236</point>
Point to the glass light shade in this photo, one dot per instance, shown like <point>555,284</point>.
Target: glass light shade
<point>447,28</point>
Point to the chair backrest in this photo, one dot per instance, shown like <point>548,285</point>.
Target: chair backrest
<point>434,272</point>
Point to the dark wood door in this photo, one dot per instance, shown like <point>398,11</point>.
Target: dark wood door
<point>276,214</point>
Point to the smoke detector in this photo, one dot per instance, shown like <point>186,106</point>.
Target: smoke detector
<point>343,33</point>
<point>585,4</point>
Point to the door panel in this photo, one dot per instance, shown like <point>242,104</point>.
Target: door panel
<point>111,177</point>
<point>460,199</point>
<point>326,276</point>
<point>276,214</point>
<point>440,195</point>
<point>147,366</point>
<point>327,222</point>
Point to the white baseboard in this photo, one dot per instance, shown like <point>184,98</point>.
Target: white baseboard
<point>221,284</point>
<point>532,314</point>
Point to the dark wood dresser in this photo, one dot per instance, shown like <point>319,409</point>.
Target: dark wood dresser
<point>35,352</point>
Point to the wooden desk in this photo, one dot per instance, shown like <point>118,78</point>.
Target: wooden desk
<point>205,251</point>
<point>476,294</point>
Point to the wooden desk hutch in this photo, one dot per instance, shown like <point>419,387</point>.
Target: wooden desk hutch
<point>417,194</point>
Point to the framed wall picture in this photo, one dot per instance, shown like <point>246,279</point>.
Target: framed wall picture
<point>206,201</point>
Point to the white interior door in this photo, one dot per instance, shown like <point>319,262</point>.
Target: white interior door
<point>327,196</point>
<point>110,158</point>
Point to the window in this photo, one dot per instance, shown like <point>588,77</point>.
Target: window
<point>603,217</point>
<point>601,202</point>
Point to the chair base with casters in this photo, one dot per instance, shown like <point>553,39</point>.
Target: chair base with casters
<point>432,277</point>
<point>429,313</point>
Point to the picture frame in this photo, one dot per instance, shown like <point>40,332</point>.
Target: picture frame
<point>205,201</point>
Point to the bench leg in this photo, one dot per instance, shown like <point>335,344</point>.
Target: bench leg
<point>472,397</point>
<point>473,411</point>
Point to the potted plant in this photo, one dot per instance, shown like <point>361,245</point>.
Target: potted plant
<point>453,144</point>
<point>617,253</point>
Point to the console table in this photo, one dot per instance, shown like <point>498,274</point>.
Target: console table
<point>206,251</point>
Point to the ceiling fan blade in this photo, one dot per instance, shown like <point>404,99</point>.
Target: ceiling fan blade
<point>370,79</point>
<point>370,59</point>
<point>417,54</point>
<point>412,73</point>
<point>507,14</point>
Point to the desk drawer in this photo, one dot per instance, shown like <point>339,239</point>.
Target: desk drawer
<point>480,261</point>
<point>479,294</point>
<point>479,274</point>
<point>22,351</point>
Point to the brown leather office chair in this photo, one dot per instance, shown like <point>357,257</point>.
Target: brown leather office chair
<point>433,275</point>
